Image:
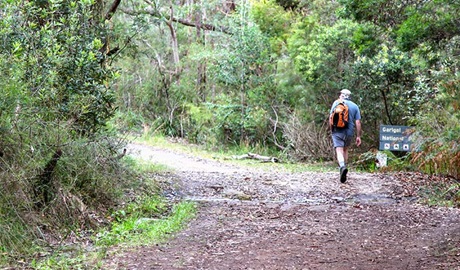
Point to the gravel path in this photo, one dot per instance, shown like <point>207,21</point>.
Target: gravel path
<point>272,219</point>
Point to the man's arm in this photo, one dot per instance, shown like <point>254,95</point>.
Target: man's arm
<point>358,132</point>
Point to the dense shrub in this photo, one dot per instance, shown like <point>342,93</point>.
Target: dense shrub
<point>57,161</point>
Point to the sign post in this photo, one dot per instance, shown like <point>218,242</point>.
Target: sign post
<point>395,138</point>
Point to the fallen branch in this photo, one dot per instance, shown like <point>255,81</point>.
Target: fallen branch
<point>257,157</point>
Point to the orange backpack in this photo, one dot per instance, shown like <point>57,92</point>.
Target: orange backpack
<point>339,116</point>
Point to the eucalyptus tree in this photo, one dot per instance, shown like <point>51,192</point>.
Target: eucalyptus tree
<point>163,79</point>
<point>204,58</point>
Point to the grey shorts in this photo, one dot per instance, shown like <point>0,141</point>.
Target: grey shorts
<point>341,139</point>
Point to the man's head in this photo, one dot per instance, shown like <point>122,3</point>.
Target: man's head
<point>345,94</point>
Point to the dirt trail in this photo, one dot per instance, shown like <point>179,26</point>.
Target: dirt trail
<point>254,219</point>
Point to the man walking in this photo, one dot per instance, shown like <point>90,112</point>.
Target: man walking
<point>342,136</point>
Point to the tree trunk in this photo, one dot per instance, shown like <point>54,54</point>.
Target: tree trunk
<point>385,101</point>
<point>201,36</point>
<point>174,44</point>
<point>44,188</point>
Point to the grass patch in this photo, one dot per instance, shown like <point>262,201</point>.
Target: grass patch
<point>146,221</point>
<point>150,220</point>
<point>144,166</point>
<point>441,194</point>
<point>68,260</point>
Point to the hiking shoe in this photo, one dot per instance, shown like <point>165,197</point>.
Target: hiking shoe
<point>343,174</point>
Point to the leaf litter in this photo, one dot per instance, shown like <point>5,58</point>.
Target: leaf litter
<point>255,219</point>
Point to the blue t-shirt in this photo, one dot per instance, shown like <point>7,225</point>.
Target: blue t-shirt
<point>353,115</point>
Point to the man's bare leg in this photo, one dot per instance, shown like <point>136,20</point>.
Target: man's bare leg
<point>342,157</point>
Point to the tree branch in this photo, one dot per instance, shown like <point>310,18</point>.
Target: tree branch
<point>112,9</point>
<point>275,125</point>
<point>157,14</point>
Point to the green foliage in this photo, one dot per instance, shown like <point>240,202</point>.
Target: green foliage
<point>242,60</point>
<point>264,61</point>
<point>57,162</point>
<point>216,123</point>
<point>413,31</point>
<point>323,55</point>
<point>100,183</point>
<point>383,82</point>
<point>432,22</point>
<point>16,234</point>
<point>438,148</point>
<point>140,223</point>
<point>55,53</point>
<point>126,121</point>
<point>70,258</point>
<point>214,69</point>
<point>148,219</point>
<point>271,18</point>
<point>441,194</point>
<point>147,206</point>
<point>202,119</point>
<point>326,52</point>
<point>87,176</point>
<point>273,21</point>
<point>366,40</point>
<point>438,118</point>
<point>385,13</point>
<point>368,162</point>
<point>409,82</point>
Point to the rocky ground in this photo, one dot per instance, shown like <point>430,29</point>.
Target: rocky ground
<point>273,219</point>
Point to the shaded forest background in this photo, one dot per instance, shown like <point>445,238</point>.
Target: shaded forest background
<point>252,74</point>
<point>262,74</point>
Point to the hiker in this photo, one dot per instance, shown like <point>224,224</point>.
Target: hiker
<point>343,127</point>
